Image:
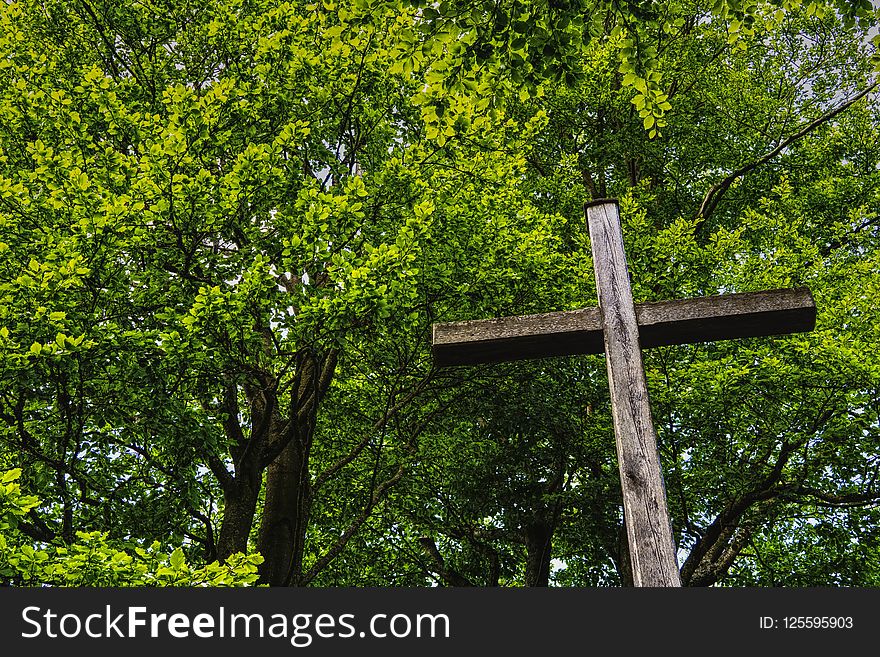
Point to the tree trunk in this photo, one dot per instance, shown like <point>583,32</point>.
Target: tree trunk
<point>286,515</point>
<point>240,505</point>
<point>288,481</point>
<point>539,538</point>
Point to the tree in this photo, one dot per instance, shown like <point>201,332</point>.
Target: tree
<point>225,233</point>
<point>224,222</point>
<point>748,442</point>
<point>93,560</point>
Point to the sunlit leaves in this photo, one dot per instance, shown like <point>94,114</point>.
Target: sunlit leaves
<point>206,197</point>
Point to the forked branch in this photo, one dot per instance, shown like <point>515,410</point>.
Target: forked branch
<point>717,191</point>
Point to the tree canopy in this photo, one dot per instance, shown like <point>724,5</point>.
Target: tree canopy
<point>226,231</point>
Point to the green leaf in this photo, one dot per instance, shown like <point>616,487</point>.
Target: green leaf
<point>10,475</point>
<point>177,559</point>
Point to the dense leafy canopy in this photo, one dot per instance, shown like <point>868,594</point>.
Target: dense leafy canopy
<point>226,230</point>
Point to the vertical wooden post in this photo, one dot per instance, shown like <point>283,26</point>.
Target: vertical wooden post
<point>646,515</point>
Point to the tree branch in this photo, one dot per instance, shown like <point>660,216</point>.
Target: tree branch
<point>449,575</point>
<point>717,191</point>
<point>842,500</point>
<point>337,548</point>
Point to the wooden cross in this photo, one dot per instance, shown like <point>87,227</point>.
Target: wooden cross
<point>623,328</point>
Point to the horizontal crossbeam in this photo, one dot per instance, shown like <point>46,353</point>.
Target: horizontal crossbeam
<point>571,332</point>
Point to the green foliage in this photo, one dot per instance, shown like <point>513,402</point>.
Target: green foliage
<point>225,232</point>
<point>94,560</point>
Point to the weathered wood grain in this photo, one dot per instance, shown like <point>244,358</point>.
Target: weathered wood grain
<point>516,338</point>
<point>622,329</point>
<point>682,321</point>
<point>649,531</point>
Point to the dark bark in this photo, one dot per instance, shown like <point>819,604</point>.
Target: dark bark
<point>241,488</point>
<point>239,506</point>
<point>36,528</point>
<point>288,482</point>
<point>717,562</point>
<point>590,184</point>
<point>539,539</point>
<point>286,514</point>
<point>449,576</point>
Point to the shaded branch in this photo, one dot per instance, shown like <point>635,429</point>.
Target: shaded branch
<point>337,548</point>
<point>718,534</point>
<point>717,191</point>
<point>448,575</point>
<point>843,500</point>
